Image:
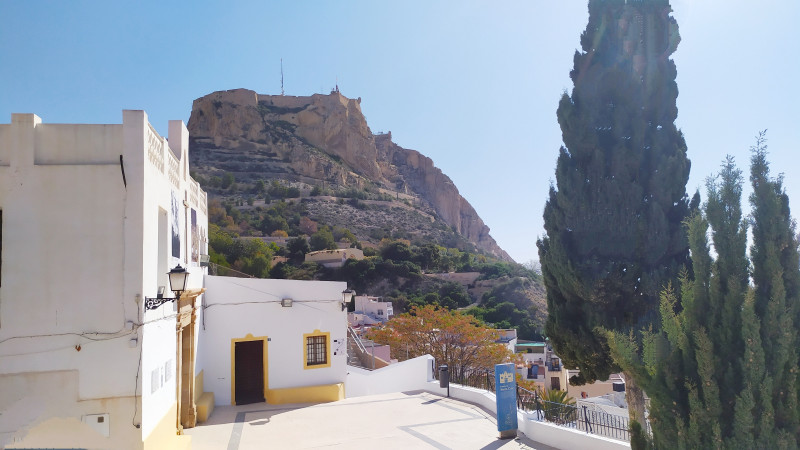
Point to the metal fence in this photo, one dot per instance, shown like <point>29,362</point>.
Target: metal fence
<point>603,424</point>
<point>569,416</point>
<point>572,416</point>
<point>477,379</point>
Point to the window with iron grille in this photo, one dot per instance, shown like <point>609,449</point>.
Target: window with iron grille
<point>316,350</point>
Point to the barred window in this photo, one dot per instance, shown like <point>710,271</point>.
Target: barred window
<point>316,350</point>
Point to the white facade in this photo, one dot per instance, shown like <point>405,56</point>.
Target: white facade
<point>355,319</point>
<point>542,366</point>
<point>243,309</point>
<point>93,217</point>
<point>373,308</point>
<point>334,258</point>
<point>508,338</point>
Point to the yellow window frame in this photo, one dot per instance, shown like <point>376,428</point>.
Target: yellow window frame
<point>317,333</point>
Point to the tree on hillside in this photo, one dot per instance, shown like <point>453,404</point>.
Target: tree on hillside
<point>228,180</point>
<point>251,256</point>
<point>297,248</point>
<point>307,226</point>
<point>509,305</point>
<point>428,256</point>
<point>450,337</point>
<point>613,220</point>
<point>396,251</point>
<point>722,370</point>
<point>322,240</point>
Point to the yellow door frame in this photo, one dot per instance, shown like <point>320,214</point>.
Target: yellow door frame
<point>248,337</point>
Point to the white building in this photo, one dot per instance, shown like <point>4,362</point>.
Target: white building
<point>92,218</point>
<point>280,340</point>
<point>370,310</point>
<point>508,337</point>
<point>542,366</point>
<point>334,258</point>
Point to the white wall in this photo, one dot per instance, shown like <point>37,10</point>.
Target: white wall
<point>79,256</point>
<point>236,307</point>
<point>562,437</point>
<point>409,375</point>
<point>371,306</point>
<point>163,164</point>
<point>63,241</point>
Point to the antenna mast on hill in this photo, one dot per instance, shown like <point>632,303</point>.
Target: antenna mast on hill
<point>281,76</point>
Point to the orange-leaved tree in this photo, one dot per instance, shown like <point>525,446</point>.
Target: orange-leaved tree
<point>452,338</point>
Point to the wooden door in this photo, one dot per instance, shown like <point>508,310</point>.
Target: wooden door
<point>249,372</point>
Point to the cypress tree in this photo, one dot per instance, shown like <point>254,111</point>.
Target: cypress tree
<point>728,286</point>
<point>776,281</point>
<point>613,220</point>
<point>721,371</point>
<point>681,365</point>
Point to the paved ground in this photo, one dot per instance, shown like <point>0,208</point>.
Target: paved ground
<point>391,421</point>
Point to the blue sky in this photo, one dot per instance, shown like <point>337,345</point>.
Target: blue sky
<point>472,84</point>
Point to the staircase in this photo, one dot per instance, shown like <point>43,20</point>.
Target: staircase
<point>352,356</point>
<point>353,346</point>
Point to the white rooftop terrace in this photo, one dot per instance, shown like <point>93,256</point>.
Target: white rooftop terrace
<point>397,406</point>
<point>399,420</point>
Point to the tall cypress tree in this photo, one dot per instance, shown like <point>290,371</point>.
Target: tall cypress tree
<point>776,282</point>
<point>729,283</point>
<point>721,371</point>
<point>613,220</point>
<point>688,367</point>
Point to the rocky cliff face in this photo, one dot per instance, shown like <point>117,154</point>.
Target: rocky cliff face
<point>321,139</point>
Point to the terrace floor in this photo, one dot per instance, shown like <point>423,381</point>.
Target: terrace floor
<point>400,420</point>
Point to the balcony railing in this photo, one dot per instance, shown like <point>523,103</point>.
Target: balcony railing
<point>554,367</point>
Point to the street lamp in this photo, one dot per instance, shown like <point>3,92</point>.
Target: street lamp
<point>347,296</point>
<point>177,280</point>
<point>177,284</point>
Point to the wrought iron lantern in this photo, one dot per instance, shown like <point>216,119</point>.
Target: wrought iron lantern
<point>177,280</point>
<point>177,284</point>
<point>347,295</point>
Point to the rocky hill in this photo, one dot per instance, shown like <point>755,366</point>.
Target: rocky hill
<point>323,142</point>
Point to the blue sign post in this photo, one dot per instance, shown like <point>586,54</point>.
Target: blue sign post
<point>505,382</point>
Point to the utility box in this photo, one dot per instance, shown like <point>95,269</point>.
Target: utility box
<point>444,376</point>
<point>98,422</point>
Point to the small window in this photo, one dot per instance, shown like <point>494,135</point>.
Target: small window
<point>380,312</point>
<point>317,350</point>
